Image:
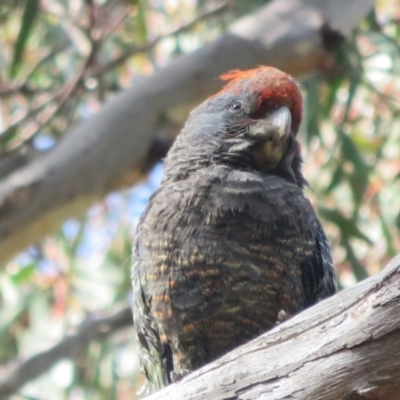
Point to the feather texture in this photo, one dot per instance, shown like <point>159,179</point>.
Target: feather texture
<point>225,246</point>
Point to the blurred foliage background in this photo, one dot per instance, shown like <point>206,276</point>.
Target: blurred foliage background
<point>60,60</point>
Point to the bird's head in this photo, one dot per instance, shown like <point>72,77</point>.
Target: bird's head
<point>251,123</point>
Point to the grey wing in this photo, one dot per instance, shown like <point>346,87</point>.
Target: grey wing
<point>155,358</point>
<point>318,273</point>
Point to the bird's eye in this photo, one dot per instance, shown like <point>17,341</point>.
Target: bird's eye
<point>236,106</point>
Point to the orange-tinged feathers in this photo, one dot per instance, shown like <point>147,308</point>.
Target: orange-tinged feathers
<point>237,75</point>
<point>272,86</point>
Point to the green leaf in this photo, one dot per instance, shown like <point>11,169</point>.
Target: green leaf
<point>24,274</point>
<point>11,314</point>
<point>388,236</point>
<point>337,178</point>
<point>7,136</point>
<point>372,19</point>
<point>30,13</point>
<point>360,176</point>
<point>358,269</point>
<point>313,110</point>
<point>347,226</point>
<point>354,84</point>
<point>141,21</point>
<point>334,85</point>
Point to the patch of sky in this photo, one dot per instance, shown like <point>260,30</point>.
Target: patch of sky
<point>140,194</point>
<point>44,142</point>
<point>118,209</point>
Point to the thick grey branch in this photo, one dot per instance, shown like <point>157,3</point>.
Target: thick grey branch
<point>73,346</point>
<point>108,151</point>
<point>15,159</point>
<point>344,348</point>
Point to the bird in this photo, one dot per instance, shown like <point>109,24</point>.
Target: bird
<point>229,245</point>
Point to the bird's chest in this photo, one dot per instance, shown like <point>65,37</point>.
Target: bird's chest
<point>207,249</point>
<point>221,262</point>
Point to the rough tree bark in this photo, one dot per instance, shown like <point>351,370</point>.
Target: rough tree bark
<point>345,348</point>
<point>110,150</point>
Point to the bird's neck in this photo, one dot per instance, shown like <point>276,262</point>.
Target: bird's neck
<point>183,162</point>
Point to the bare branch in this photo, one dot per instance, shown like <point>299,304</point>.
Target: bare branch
<point>324,353</point>
<point>150,45</point>
<point>23,87</point>
<point>60,97</point>
<point>12,378</point>
<point>32,112</point>
<point>344,348</point>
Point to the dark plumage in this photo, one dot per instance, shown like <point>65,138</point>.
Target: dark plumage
<point>229,243</point>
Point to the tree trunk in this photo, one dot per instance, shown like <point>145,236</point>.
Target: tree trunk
<point>344,348</point>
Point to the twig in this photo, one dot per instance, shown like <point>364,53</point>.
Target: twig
<point>32,112</point>
<point>114,24</point>
<point>71,347</point>
<point>61,96</point>
<point>389,101</point>
<point>50,55</point>
<point>150,45</point>
<point>23,86</point>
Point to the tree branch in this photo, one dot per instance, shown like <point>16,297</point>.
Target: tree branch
<point>22,87</point>
<point>153,43</point>
<point>108,151</point>
<point>16,158</point>
<point>73,346</point>
<point>324,353</point>
<point>344,348</point>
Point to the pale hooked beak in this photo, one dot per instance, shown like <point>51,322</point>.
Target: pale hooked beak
<point>274,127</point>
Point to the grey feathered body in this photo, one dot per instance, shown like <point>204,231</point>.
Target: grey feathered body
<point>224,247</point>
